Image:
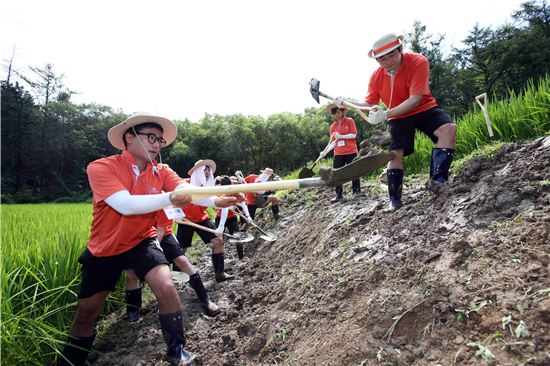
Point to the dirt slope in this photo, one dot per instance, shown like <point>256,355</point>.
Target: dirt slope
<point>347,284</point>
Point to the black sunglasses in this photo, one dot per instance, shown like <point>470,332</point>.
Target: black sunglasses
<point>152,138</point>
<point>333,110</point>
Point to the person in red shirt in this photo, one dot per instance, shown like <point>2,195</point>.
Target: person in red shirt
<point>255,200</point>
<point>402,82</point>
<point>202,174</point>
<point>344,133</point>
<point>174,254</point>
<point>128,189</point>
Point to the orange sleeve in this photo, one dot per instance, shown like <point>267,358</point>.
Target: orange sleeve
<point>420,81</point>
<point>103,180</point>
<point>373,94</point>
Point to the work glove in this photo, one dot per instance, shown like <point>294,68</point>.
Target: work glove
<point>219,230</point>
<point>339,102</point>
<point>377,115</point>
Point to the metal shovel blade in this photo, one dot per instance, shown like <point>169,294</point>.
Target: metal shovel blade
<point>179,277</point>
<point>242,238</point>
<point>306,173</point>
<point>268,236</point>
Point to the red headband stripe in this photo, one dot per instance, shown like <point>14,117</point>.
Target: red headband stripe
<point>385,47</point>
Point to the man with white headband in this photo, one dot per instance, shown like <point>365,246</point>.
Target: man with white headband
<point>402,82</point>
<point>127,191</point>
<point>202,175</point>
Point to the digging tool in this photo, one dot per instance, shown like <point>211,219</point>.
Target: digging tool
<point>316,93</point>
<point>266,236</point>
<point>328,177</point>
<point>308,172</point>
<point>236,238</point>
<point>485,113</point>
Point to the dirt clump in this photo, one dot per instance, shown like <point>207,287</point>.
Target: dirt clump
<point>459,278</point>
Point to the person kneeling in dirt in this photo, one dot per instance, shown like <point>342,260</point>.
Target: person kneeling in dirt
<point>402,82</point>
<point>202,174</point>
<point>174,254</point>
<point>344,132</point>
<point>127,192</point>
<point>260,199</point>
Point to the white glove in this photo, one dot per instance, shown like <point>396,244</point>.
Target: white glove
<point>339,102</point>
<point>377,115</point>
<point>219,230</point>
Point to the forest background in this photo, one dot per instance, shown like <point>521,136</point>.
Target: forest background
<point>47,140</point>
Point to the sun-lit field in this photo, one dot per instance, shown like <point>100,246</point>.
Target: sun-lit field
<point>40,249</point>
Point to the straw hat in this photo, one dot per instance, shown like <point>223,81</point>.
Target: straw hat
<point>116,133</point>
<point>267,171</point>
<point>385,45</point>
<point>204,162</point>
<point>332,105</point>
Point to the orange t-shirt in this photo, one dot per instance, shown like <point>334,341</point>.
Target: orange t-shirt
<point>250,195</point>
<point>195,213</point>
<point>113,233</point>
<point>344,147</point>
<point>230,213</point>
<point>412,78</point>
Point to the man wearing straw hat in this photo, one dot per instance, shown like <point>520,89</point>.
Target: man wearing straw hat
<point>202,175</point>
<point>402,83</point>
<point>127,191</point>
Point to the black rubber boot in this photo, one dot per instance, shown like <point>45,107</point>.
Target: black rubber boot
<point>337,198</point>
<point>76,350</point>
<point>275,211</point>
<point>439,168</point>
<point>240,250</point>
<point>133,304</point>
<point>172,331</point>
<point>218,263</point>
<point>210,307</point>
<point>395,188</point>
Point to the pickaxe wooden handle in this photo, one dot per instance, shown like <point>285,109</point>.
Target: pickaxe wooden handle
<point>329,177</point>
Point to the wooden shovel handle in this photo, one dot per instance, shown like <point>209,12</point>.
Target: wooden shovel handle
<point>485,113</point>
<point>204,228</point>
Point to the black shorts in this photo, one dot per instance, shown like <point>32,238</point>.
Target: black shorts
<point>231,224</point>
<point>102,273</point>
<point>171,247</point>
<point>402,130</point>
<point>185,233</point>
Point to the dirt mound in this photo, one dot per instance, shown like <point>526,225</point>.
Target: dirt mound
<point>461,278</point>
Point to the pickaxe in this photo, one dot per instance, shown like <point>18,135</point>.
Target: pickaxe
<point>315,93</point>
<point>328,177</point>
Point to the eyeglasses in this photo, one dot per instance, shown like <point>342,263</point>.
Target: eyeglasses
<point>152,138</point>
<point>334,110</point>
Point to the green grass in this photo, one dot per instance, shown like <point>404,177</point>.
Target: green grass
<point>39,275</point>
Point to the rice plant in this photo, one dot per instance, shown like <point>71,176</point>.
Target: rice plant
<point>39,275</point>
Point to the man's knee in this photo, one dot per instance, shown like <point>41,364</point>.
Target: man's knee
<point>448,130</point>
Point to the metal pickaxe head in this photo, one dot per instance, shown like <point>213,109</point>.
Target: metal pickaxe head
<point>314,89</point>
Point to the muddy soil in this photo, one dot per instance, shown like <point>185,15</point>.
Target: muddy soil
<point>461,278</point>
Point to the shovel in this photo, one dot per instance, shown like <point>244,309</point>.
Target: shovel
<point>330,177</point>
<point>266,236</point>
<point>236,239</point>
<point>308,172</point>
<point>483,106</point>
